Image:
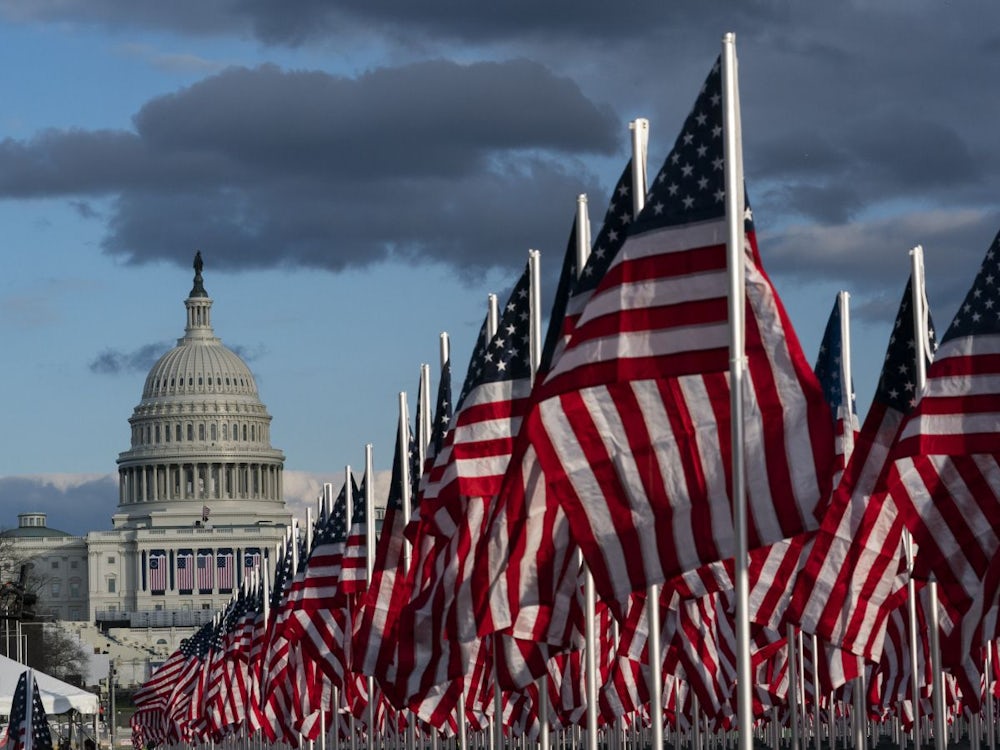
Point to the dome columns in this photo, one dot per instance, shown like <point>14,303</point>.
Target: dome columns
<point>200,481</point>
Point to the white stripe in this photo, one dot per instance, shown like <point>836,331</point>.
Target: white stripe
<point>953,424</point>
<point>642,344</point>
<point>648,293</point>
<point>706,435</point>
<point>577,468</point>
<point>668,459</point>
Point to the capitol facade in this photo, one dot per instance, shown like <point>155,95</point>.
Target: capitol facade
<point>200,502</point>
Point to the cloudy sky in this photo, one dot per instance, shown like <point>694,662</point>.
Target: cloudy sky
<point>360,175</point>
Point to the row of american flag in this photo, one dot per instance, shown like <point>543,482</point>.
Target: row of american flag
<point>608,455</point>
<point>188,570</point>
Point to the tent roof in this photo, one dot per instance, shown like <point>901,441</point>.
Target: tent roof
<point>58,697</point>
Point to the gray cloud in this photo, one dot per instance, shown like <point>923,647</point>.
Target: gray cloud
<point>869,125</point>
<point>113,362</point>
<point>75,504</point>
<point>460,164</point>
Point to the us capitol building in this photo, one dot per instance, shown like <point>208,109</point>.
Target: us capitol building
<point>200,505</point>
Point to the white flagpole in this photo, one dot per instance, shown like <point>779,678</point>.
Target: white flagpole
<point>492,316</point>
<point>793,684</point>
<point>735,239</point>
<point>846,381</point>
<point>920,340</point>
<point>405,500</point>
<point>424,428</point>
<point>589,595</point>
<point>535,344</point>
<point>640,141</point>
<point>369,571</point>
<point>29,710</point>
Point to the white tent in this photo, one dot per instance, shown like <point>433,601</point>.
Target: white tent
<point>58,697</point>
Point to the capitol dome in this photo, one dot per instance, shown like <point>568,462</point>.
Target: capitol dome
<point>200,445</point>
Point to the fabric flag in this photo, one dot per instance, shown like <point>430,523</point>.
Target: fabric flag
<point>374,647</point>
<point>28,727</point>
<point>354,567</point>
<point>251,561</point>
<point>466,474</point>
<point>224,570</point>
<point>157,571</point>
<point>320,619</point>
<point>840,396</point>
<point>947,483</point>
<point>847,582</point>
<point>632,432</point>
<point>185,571</point>
<point>205,513</point>
<point>205,571</point>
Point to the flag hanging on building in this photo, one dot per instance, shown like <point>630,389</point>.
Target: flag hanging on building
<point>633,428</point>
<point>224,570</point>
<point>157,571</point>
<point>28,726</point>
<point>185,571</point>
<point>205,571</point>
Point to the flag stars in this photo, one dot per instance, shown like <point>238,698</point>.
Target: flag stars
<point>702,151</point>
<point>688,201</point>
<point>701,118</point>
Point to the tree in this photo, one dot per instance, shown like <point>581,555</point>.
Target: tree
<point>54,651</point>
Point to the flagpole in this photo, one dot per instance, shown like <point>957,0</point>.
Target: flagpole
<point>735,240</point>
<point>369,570</point>
<point>424,399</point>
<point>29,710</point>
<point>640,141</point>
<point>846,381</point>
<point>920,335</point>
<point>589,595</point>
<point>535,344</point>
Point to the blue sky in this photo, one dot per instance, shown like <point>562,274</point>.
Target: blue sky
<point>359,176</point>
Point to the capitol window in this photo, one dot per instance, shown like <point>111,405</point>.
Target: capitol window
<point>112,584</point>
<point>190,432</point>
<point>55,565</point>
<point>56,588</point>
<point>214,432</point>
<point>201,431</point>
<point>178,434</point>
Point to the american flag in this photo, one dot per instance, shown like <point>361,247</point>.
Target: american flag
<point>354,568</point>
<point>467,473</point>
<point>251,560</point>
<point>185,571</point>
<point>947,457</point>
<point>844,589</point>
<point>224,570</point>
<point>320,617</point>
<point>374,647</point>
<point>205,571</point>
<point>632,431</point>
<point>157,571</point>
<point>525,572</point>
<point>28,727</point>
<point>830,373</point>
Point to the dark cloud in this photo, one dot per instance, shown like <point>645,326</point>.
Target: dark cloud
<point>112,362</point>
<point>460,164</point>
<point>407,22</point>
<point>74,504</point>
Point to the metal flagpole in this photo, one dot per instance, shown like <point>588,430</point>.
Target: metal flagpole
<point>589,595</point>
<point>817,713</point>
<point>405,500</point>
<point>735,239</point>
<point>369,571</point>
<point>640,140</point>
<point>991,736</point>
<point>535,344</point>
<point>920,334</point>
<point>793,684</point>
